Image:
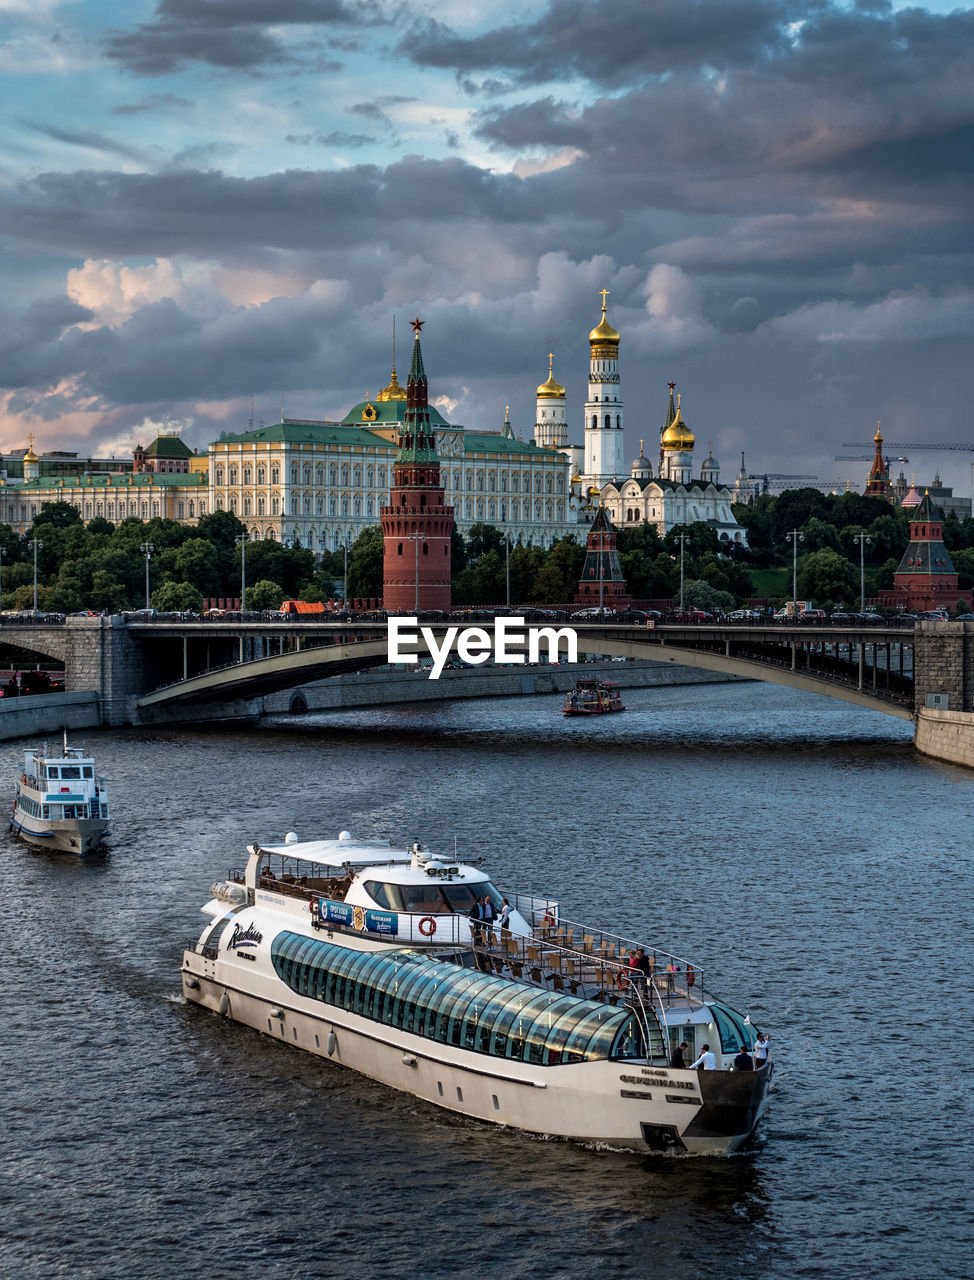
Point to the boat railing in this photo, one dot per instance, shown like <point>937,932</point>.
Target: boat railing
<point>615,947</point>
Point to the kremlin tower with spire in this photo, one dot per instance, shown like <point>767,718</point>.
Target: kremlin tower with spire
<point>878,484</point>
<point>417,523</point>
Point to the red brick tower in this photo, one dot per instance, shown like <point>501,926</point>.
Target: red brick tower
<point>926,573</point>
<point>416,525</point>
<point>878,485</point>
<point>602,584</point>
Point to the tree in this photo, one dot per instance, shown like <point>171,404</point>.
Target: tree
<point>482,538</point>
<point>265,595</point>
<point>106,592</point>
<point>197,561</point>
<point>825,575</point>
<point>557,581</point>
<point>365,562</point>
<point>820,533</point>
<point>963,562</point>
<point>794,508</point>
<point>220,527</point>
<point>58,515</point>
<point>177,597</point>
<point>698,594</point>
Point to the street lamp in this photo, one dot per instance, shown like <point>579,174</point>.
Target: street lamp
<point>794,537</point>
<point>863,542</point>
<point>345,580</point>
<point>682,539</point>
<point>242,544</point>
<point>417,538</point>
<point>37,545</point>
<point>147,549</point>
<point>507,565</point>
<point>2,554</point>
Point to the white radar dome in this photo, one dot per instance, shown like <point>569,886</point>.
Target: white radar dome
<point>345,837</point>
<point>291,838</point>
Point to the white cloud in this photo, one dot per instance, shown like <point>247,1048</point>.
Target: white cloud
<point>531,166</point>
<point>674,319</point>
<point>897,318</point>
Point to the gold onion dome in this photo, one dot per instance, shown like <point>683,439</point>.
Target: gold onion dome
<point>678,435</point>
<point>31,456</point>
<point>603,334</point>
<point>394,391</point>
<point>551,390</point>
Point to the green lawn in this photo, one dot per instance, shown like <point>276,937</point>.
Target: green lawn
<point>771,583</point>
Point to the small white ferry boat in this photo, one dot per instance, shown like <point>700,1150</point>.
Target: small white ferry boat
<point>369,956</point>
<point>61,803</point>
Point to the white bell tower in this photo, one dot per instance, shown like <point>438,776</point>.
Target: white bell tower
<point>604,454</point>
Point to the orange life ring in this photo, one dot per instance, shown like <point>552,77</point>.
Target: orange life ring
<point>691,976</point>
<point>427,926</point>
<point>622,979</point>
<point>313,907</point>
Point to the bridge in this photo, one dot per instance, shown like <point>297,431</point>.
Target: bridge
<point>143,670</point>
<point>865,667</point>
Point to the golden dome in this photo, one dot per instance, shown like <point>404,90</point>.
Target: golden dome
<point>30,455</point>
<point>394,391</point>
<point>551,390</point>
<point>604,334</point>
<point>678,435</point>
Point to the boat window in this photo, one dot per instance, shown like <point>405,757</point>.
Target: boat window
<point>425,898</point>
<point>730,1028</point>
<point>52,771</point>
<point>88,773</point>
<point>386,895</point>
<point>461,896</point>
<point>70,771</point>
<point>452,1005</point>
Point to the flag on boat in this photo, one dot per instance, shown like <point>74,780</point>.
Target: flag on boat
<point>747,1019</point>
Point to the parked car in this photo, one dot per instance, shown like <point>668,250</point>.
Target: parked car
<point>588,615</point>
<point>744,615</point>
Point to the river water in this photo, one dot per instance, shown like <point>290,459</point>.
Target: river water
<point>796,848</point>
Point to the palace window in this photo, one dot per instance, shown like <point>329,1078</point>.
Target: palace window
<point>233,505</point>
<point>344,473</point>
<point>333,506</point>
<point>275,474</point>
<point>219,475</point>
<point>370,477</point>
<point>180,510</point>
<point>307,473</point>
<point>247,474</point>
<point>233,475</point>
<point>275,505</point>
<point>261,475</point>
<point>320,504</point>
<point>246,505</point>
<point>307,504</point>
<point>294,473</point>
<point>357,476</point>
<point>320,474</point>
<point>260,506</point>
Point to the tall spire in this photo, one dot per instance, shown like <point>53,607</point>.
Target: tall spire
<point>417,440</point>
<point>394,391</point>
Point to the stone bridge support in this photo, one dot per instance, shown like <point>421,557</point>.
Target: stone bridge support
<point>944,681</point>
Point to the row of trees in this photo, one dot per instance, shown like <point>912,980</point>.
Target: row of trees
<point>102,566</point>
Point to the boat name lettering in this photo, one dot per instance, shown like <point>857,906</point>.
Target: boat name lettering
<point>247,937</point>
<point>475,645</point>
<point>635,1093</point>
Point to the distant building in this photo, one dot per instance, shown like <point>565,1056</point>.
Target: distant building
<point>166,454</point>
<point>878,483</point>
<point>905,495</point>
<point>926,578</point>
<point>602,584</point>
<point>114,495</point>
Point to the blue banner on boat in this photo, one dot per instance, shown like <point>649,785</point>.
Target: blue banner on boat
<point>334,912</point>
<point>382,922</point>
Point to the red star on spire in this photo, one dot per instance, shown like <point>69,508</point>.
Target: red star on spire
<point>417,324</point>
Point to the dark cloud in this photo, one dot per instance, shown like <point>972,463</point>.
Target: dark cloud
<point>334,139</point>
<point>229,34</point>
<point>155,102</point>
<point>82,138</point>
<point>611,42</point>
<point>544,122</point>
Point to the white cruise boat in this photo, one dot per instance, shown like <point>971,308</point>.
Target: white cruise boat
<point>61,803</point>
<point>367,955</point>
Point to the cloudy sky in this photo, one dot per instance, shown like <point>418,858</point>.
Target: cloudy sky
<point>206,204</point>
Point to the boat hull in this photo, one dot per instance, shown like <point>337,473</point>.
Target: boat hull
<point>67,835</point>
<point>627,1104</point>
<point>592,711</point>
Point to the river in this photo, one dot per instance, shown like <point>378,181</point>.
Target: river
<point>797,848</point>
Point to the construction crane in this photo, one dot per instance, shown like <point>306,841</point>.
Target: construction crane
<point>920,447</point>
<point>778,480</point>
<point>864,457</point>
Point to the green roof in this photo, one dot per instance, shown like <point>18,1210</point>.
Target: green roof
<point>384,412</point>
<point>168,447</point>
<point>125,480</point>
<point>294,431</point>
<point>490,442</point>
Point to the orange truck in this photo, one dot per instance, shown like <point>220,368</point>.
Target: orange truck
<point>302,606</point>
